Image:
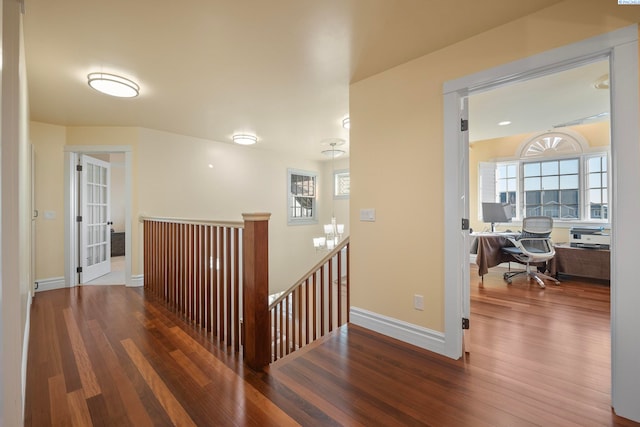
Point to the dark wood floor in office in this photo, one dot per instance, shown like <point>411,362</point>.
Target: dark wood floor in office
<point>109,356</point>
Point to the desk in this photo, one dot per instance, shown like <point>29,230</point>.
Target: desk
<point>488,247</point>
<point>583,262</point>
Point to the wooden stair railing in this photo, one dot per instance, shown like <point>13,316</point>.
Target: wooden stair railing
<point>314,306</point>
<point>216,276</point>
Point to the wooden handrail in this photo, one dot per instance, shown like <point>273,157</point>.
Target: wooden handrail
<point>232,224</point>
<point>314,306</point>
<point>312,270</point>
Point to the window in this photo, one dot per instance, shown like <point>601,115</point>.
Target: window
<point>302,197</point>
<point>552,188</point>
<point>597,194</point>
<point>553,177</point>
<point>507,185</point>
<point>341,184</point>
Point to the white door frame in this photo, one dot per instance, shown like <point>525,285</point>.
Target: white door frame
<point>71,248</point>
<point>621,47</point>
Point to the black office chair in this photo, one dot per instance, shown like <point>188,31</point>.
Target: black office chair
<point>533,245</point>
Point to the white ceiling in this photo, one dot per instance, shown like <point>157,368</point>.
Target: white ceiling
<point>209,68</point>
<point>541,104</point>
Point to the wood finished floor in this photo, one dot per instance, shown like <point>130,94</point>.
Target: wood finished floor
<point>108,356</point>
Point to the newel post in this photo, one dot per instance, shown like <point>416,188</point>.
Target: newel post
<point>255,293</point>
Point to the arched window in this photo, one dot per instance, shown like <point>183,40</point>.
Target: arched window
<point>552,144</point>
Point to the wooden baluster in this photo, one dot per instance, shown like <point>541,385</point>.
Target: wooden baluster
<point>300,314</point>
<point>322,302</point>
<point>306,309</point>
<point>315,306</point>
<point>330,287</point>
<point>287,331</point>
<point>222,274</point>
<point>347,283</point>
<point>339,288</point>
<point>236,288</point>
<point>228,304</point>
<point>281,329</point>
<point>198,273</point>
<point>207,283</point>
<point>272,334</point>
<point>292,341</point>
<point>214,277</point>
<point>256,289</point>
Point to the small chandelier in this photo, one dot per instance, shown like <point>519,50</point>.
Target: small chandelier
<point>333,232</point>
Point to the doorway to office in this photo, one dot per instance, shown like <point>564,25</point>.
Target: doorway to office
<point>621,48</point>
<point>74,204</point>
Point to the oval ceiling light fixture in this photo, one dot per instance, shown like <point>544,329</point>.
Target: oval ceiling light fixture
<point>113,85</point>
<point>504,123</point>
<point>346,123</point>
<point>244,139</point>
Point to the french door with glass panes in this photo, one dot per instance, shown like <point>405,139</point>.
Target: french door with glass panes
<point>95,233</point>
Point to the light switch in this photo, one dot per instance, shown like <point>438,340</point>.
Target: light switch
<point>368,214</point>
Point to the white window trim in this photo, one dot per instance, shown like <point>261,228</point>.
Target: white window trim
<point>301,221</point>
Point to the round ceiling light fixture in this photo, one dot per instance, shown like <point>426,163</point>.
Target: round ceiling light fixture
<point>113,85</point>
<point>244,139</point>
<point>333,143</point>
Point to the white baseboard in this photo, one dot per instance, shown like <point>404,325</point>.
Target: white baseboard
<point>416,335</point>
<point>137,281</point>
<point>49,284</point>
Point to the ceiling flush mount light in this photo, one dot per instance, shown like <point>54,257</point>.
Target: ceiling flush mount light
<point>602,82</point>
<point>113,85</point>
<point>244,139</point>
<point>504,123</point>
<point>346,123</point>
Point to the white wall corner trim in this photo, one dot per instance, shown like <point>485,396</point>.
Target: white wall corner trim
<point>50,284</point>
<point>137,281</point>
<point>406,332</point>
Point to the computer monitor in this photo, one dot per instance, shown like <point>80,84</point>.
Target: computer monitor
<point>494,212</point>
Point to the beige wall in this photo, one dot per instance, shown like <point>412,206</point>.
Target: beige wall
<point>500,149</point>
<point>397,155</point>
<point>172,178</point>
<point>15,217</point>
<point>48,143</point>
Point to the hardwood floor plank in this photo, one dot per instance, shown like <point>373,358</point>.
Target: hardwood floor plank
<point>60,415</point>
<point>196,374</point>
<point>174,409</point>
<point>135,410</point>
<point>80,416</point>
<point>83,363</point>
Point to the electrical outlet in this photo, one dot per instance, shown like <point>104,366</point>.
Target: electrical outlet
<point>418,302</point>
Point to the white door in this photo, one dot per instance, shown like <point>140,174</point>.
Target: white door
<point>95,248</point>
